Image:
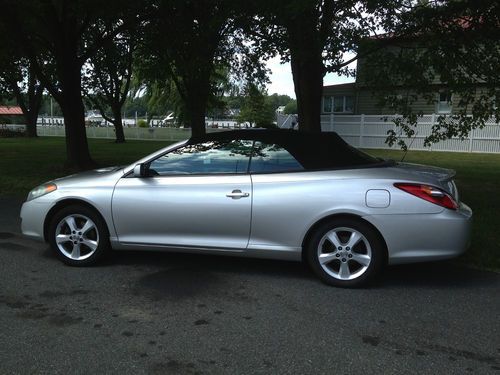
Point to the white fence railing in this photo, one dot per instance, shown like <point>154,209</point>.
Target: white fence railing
<point>363,131</point>
<point>164,134</point>
<point>370,131</point>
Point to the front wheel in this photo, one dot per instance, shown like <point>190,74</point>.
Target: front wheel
<point>346,253</point>
<point>78,235</point>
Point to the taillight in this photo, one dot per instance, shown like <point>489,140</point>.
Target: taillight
<point>429,193</point>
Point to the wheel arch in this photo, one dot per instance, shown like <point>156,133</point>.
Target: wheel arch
<point>65,203</point>
<point>337,216</point>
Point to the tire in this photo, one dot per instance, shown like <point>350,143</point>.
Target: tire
<point>79,236</point>
<point>346,253</point>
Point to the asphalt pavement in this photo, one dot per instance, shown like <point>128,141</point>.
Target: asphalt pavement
<point>162,313</point>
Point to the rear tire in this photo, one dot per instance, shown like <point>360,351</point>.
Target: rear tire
<point>346,253</point>
<point>79,236</point>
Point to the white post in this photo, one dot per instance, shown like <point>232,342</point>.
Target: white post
<point>471,139</point>
<point>361,130</point>
<point>433,121</point>
<point>331,121</point>
<point>136,119</point>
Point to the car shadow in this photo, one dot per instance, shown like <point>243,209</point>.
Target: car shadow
<point>212,263</point>
<point>437,275</point>
<point>447,274</point>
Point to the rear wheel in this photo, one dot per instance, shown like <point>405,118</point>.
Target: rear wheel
<point>346,253</point>
<point>78,235</point>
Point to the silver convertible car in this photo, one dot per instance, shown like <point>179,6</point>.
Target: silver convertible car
<point>277,194</point>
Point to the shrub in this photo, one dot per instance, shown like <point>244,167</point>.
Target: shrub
<point>266,125</point>
<point>9,133</point>
<point>142,123</point>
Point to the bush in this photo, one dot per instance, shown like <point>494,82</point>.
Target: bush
<point>291,108</point>
<point>142,123</point>
<point>266,125</point>
<point>9,133</point>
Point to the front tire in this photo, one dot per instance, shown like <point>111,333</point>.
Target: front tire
<point>78,235</point>
<point>346,252</point>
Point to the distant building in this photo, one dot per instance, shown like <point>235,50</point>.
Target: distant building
<point>10,110</point>
<point>11,115</point>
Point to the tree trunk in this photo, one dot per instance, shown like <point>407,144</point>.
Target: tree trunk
<point>34,103</point>
<point>308,82</point>
<point>197,118</point>
<point>30,104</point>
<point>196,105</point>
<point>307,70</point>
<point>31,125</point>
<point>118,123</point>
<point>77,148</point>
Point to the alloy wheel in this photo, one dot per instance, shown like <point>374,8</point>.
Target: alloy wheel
<point>77,237</point>
<point>344,253</point>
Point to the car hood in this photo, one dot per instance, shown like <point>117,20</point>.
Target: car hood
<point>90,177</point>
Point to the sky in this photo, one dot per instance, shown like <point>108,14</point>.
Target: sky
<point>282,81</point>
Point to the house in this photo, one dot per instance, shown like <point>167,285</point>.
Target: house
<point>355,99</point>
<point>360,97</point>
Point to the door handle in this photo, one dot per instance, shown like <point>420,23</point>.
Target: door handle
<point>237,194</point>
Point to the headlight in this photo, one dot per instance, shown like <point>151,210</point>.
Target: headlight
<point>42,190</point>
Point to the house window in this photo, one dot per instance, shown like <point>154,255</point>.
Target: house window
<point>327,104</point>
<point>349,104</point>
<point>338,104</point>
<point>444,103</point>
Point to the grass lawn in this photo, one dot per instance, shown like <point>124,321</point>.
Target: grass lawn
<point>25,163</point>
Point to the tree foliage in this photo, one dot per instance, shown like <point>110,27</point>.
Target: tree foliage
<point>193,56</point>
<point>108,76</point>
<point>184,42</point>
<point>256,109</point>
<point>290,108</point>
<point>18,81</point>
<point>58,37</point>
<point>451,47</point>
<point>314,36</point>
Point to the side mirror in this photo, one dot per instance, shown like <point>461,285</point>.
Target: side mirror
<point>140,170</point>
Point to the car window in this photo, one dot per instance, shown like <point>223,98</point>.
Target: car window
<point>272,158</point>
<point>204,158</point>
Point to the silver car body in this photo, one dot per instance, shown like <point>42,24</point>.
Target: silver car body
<point>194,213</point>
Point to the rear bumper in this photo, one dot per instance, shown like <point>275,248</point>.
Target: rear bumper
<point>419,238</point>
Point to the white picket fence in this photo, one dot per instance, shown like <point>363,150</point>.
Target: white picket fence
<point>370,131</point>
<point>362,131</point>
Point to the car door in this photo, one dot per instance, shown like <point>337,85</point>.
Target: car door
<point>198,195</point>
<point>281,203</point>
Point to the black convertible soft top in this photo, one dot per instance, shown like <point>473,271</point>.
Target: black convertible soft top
<point>326,150</point>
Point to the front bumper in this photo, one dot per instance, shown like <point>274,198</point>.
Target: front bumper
<point>33,214</point>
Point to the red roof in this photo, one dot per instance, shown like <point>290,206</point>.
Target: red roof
<point>7,110</point>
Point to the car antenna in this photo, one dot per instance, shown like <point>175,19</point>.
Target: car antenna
<point>408,148</point>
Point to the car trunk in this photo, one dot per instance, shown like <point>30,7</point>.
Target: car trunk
<point>442,176</point>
